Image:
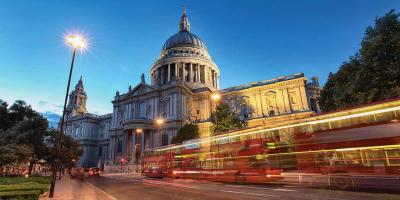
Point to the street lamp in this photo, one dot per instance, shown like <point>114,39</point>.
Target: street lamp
<point>215,97</point>
<point>76,42</point>
<point>138,148</point>
<point>159,123</point>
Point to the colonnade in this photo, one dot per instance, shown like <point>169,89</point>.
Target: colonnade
<point>188,72</point>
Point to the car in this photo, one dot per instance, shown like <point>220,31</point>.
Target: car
<point>94,171</point>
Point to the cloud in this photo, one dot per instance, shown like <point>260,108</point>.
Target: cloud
<point>44,106</point>
<point>42,103</point>
<point>53,118</point>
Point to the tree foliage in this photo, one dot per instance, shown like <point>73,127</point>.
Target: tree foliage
<point>373,74</point>
<point>186,132</point>
<point>24,136</point>
<point>13,154</point>
<point>224,119</point>
<point>70,149</point>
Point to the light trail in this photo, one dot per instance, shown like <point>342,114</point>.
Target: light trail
<point>218,138</point>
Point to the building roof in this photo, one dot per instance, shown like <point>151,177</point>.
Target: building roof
<point>264,82</point>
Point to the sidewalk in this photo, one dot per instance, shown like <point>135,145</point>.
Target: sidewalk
<point>72,189</point>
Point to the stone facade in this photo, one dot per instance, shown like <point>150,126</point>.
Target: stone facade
<point>183,79</point>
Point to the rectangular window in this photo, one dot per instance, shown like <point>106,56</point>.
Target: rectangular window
<point>119,145</point>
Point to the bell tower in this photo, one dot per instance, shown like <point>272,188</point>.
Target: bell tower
<point>77,100</point>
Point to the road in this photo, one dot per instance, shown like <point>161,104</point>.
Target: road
<point>131,187</point>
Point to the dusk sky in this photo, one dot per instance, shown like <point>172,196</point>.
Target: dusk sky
<point>248,40</point>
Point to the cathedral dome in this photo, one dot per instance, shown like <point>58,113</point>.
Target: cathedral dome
<point>185,59</point>
<point>184,39</point>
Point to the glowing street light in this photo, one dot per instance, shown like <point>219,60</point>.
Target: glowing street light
<point>139,130</point>
<point>159,122</point>
<point>215,97</point>
<point>77,42</point>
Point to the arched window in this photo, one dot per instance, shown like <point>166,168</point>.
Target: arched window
<point>246,110</point>
<point>142,110</point>
<point>164,140</point>
<point>271,103</point>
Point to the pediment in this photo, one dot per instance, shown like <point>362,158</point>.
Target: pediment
<point>140,89</point>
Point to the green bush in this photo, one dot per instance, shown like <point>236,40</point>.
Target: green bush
<point>27,195</point>
<point>16,180</point>
<point>24,186</point>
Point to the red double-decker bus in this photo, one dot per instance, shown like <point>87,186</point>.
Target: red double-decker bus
<point>218,159</point>
<point>228,161</point>
<point>353,148</point>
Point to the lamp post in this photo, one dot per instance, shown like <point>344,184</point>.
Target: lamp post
<point>159,123</point>
<point>137,156</point>
<point>77,42</point>
<point>215,97</point>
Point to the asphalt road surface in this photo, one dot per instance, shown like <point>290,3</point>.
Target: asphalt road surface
<point>132,187</point>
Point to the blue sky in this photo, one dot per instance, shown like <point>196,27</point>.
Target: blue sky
<point>249,41</point>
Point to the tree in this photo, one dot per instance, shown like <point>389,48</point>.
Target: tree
<point>70,149</point>
<point>29,132</point>
<point>13,154</point>
<point>224,119</point>
<point>186,132</point>
<point>4,117</point>
<point>24,127</point>
<point>373,74</point>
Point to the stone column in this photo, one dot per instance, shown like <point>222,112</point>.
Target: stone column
<point>218,82</point>
<point>132,150</point>
<point>303,97</point>
<point>161,75</point>
<point>184,72</point>
<point>169,73</point>
<point>212,78</point>
<point>176,71</point>
<point>111,150</point>
<point>198,73</point>
<point>191,73</point>
<point>142,142</point>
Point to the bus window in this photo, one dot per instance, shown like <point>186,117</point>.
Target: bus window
<point>380,117</point>
<point>229,162</point>
<point>352,157</point>
<point>375,157</point>
<point>393,156</point>
<point>258,161</point>
<point>335,124</point>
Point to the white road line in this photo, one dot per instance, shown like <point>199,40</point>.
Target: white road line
<point>246,193</point>
<point>100,190</point>
<point>281,189</point>
<point>169,184</point>
<point>261,188</point>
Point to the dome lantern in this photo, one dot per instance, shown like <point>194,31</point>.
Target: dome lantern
<point>184,24</point>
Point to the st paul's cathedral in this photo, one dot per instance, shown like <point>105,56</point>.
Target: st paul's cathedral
<point>183,79</point>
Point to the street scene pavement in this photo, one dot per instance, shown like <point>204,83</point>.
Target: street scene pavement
<point>134,186</point>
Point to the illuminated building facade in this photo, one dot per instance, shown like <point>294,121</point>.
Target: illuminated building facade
<point>183,79</point>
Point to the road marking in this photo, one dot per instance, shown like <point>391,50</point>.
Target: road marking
<point>170,184</point>
<point>246,193</point>
<point>100,190</point>
<point>281,189</point>
<point>261,188</point>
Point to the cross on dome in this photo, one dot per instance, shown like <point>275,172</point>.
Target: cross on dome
<point>184,24</point>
